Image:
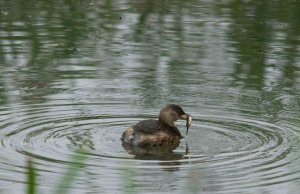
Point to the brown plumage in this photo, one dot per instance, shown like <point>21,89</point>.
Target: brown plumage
<point>154,133</point>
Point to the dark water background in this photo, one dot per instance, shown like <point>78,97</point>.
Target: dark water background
<point>75,74</point>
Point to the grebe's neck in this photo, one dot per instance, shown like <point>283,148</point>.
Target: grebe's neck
<point>165,119</point>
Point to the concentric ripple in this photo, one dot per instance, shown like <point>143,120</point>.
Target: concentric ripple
<point>231,153</point>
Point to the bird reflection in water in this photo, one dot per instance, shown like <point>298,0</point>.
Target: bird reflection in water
<point>170,159</point>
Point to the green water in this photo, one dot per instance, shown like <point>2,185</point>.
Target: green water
<point>75,74</point>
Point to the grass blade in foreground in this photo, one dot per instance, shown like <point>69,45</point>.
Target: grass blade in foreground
<point>31,178</point>
<point>72,170</point>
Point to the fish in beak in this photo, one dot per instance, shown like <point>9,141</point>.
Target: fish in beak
<point>188,119</point>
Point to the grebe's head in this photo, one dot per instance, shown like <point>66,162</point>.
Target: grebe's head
<point>171,113</point>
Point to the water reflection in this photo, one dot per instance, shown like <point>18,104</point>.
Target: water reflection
<point>165,153</point>
<point>251,36</point>
<point>159,150</point>
<point>82,141</point>
<point>75,73</point>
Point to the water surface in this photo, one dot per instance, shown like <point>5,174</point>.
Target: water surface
<point>75,74</point>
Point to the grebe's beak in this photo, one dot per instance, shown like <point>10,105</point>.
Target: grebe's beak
<point>188,119</point>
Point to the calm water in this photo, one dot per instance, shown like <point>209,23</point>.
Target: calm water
<point>75,74</point>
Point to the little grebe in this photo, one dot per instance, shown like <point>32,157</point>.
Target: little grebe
<point>157,132</point>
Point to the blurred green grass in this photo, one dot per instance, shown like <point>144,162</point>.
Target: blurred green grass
<point>64,185</point>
